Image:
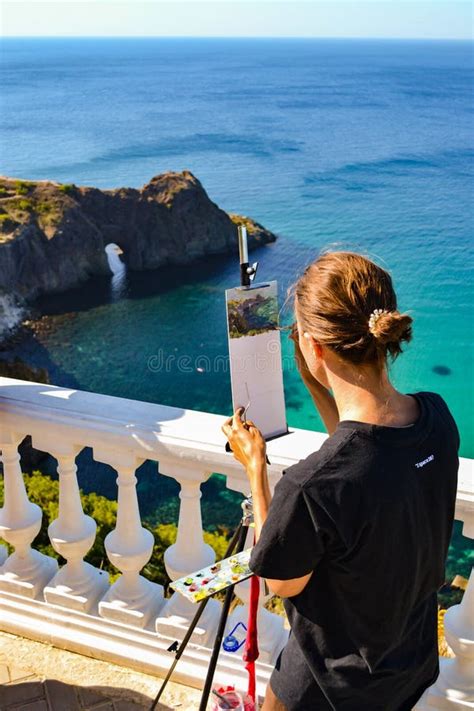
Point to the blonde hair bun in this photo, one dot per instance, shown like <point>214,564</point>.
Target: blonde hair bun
<point>392,327</point>
<point>347,302</point>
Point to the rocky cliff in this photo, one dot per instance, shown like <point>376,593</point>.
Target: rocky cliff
<point>53,236</point>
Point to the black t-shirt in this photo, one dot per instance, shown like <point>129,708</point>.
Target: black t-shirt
<point>371,514</point>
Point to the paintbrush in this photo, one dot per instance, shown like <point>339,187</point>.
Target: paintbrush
<point>224,703</point>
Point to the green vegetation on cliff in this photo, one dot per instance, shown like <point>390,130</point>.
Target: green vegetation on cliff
<point>53,235</point>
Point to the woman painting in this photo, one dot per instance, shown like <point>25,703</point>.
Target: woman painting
<point>356,535</point>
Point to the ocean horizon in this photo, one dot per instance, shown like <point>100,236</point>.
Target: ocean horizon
<point>356,144</point>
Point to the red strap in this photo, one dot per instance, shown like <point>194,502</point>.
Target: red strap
<point>251,641</point>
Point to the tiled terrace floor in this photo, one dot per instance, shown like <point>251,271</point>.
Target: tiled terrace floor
<point>38,677</point>
<point>21,690</point>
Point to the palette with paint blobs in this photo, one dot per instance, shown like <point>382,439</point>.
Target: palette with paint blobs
<point>214,578</point>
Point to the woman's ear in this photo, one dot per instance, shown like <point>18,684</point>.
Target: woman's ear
<point>315,346</point>
<point>318,348</point>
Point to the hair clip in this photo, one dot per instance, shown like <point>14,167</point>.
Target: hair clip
<point>374,317</point>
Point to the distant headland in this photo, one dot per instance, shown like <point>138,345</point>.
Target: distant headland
<point>53,236</point>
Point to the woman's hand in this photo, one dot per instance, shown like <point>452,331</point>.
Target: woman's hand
<point>306,375</point>
<point>249,449</point>
<point>322,397</point>
<point>246,442</point>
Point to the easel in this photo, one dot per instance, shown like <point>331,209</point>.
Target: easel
<point>236,545</point>
<point>247,271</point>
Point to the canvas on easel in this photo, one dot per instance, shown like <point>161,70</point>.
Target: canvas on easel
<point>255,356</point>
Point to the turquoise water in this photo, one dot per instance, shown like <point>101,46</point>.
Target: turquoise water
<point>365,145</point>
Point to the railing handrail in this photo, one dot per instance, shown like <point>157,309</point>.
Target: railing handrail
<point>152,431</point>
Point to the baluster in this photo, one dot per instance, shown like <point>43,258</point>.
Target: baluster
<point>132,599</point>
<point>26,571</point>
<point>187,555</point>
<point>272,635</point>
<point>458,674</point>
<point>78,584</point>
<point>454,688</point>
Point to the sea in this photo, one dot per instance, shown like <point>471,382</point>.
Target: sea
<point>365,145</point>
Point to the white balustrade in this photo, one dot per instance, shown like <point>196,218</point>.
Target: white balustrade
<point>132,599</point>
<point>77,584</point>
<point>454,688</point>
<point>25,571</point>
<point>457,675</point>
<point>130,623</point>
<point>188,554</point>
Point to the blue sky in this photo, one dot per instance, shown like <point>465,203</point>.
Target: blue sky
<point>270,18</point>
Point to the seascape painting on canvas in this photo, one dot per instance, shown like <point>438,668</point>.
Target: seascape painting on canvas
<point>255,355</point>
<point>252,313</point>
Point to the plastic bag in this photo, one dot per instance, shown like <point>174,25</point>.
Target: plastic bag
<point>248,704</point>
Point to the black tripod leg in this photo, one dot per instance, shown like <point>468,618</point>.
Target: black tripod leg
<point>179,652</point>
<point>220,630</point>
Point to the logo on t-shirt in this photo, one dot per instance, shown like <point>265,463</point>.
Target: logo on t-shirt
<point>429,459</point>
